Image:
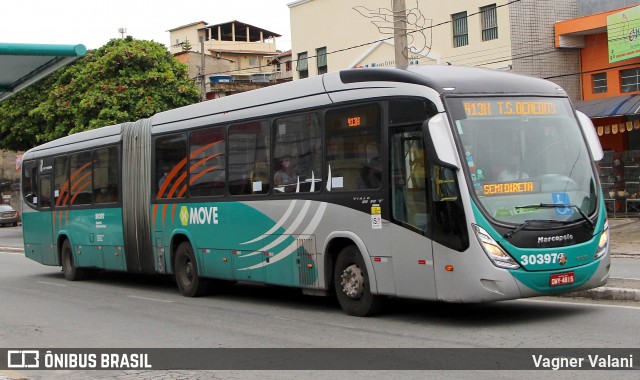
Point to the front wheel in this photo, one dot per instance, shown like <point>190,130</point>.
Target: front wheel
<point>186,272</point>
<point>71,272</point>
<point>352,284</point>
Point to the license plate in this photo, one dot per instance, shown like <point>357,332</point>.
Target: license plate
<point>561,279</point>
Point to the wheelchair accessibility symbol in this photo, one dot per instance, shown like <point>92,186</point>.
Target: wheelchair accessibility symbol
<point>562,199</point>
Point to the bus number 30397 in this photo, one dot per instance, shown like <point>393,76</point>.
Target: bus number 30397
<point>547,258</point>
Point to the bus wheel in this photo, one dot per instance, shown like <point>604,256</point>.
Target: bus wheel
<point>71,272</point>
<point>186,272</point>
<point>351,282</point>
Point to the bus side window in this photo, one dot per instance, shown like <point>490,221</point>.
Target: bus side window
<point>249,158</point>
<point>45,191</point>
<point>60,181</point>
<point>297,154</point>
<point>170,166</point>
<point>353,149</point>
<point>105,175</point>
<point>30,183</point>
<point>81,184</point>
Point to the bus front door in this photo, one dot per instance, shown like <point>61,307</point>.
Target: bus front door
<point>413,255</point>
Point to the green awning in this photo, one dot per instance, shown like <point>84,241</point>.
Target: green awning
<point>24,64</point>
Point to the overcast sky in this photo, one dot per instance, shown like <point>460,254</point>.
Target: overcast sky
<point>93,23</point>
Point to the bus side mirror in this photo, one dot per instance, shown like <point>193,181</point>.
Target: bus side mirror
<point>592,136</point>
<point>439,142</point>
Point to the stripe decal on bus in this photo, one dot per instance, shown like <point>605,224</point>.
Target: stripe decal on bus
<point>276,226</point>
<point>65,192</point>
<point>309,230</point>
<point>180,180</point>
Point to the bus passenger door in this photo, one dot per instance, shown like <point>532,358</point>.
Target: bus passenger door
<point>45,235</point>
<point>413,253</point>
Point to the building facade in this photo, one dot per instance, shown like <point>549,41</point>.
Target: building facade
<point>331,35</point>
<point>608,42</point>
<point>225,58</point>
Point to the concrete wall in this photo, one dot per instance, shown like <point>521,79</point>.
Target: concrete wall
<point>533,49</point>
<point>589,7</point>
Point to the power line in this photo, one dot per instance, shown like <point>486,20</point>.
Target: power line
<point>509,49</point>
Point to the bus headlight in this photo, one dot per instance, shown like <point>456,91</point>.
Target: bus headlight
<point>495,253</point>
<point>603,244</point>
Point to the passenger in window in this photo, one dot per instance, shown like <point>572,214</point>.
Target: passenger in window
<point>371,175</point>
<point>512,172</point>
<point>285,178</point>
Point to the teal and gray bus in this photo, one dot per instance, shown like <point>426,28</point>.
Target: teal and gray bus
<point>436,183</point>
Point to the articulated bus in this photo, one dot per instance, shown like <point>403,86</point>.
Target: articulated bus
<point>435,183</point>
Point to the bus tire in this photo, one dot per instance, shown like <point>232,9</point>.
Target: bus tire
<point>71,272</point>
<point>186,272</point>
<point>351,283</point>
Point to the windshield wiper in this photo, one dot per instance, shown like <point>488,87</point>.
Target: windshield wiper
<point>520,227</point>
<point>560,205</point>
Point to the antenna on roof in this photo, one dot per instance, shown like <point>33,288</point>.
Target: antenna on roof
<point>122,31</point>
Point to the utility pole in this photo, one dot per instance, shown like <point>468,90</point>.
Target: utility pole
<point>400,34</point>
<point>201,72</point>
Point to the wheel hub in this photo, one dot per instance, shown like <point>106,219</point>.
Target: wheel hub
<point>352,281</point>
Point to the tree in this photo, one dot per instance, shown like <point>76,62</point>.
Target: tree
<point>125,80</point>
<point>186,45</point>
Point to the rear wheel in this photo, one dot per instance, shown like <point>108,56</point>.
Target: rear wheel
<point>352,284</point>
<point>186,272</point>
<point>71,272</point>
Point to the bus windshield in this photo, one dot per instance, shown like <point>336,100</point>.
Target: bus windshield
<point>524,156</point>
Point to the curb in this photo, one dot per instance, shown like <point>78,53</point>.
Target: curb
<point>617,289</point>
<point>11,250</point>
<point>607,293</point>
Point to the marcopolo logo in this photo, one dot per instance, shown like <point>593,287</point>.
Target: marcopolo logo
<point>198,215</point>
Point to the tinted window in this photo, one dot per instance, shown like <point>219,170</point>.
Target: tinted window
<point>105,175</point>
<point>29,182</point>
<point>80,165</point>
<point>353,148</point>
<point>207,162</point>
<point>61,181</point>
<point>170,170</point>
<point>249,158</point>
<point>297,154</point>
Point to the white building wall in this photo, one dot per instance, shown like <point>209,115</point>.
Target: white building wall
<point>337,25</point>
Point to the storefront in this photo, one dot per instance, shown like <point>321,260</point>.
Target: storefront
<point>609,44</point>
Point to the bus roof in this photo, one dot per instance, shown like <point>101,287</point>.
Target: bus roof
<point>457,80</point>
<point>319,91</point>
<point>80,140</point>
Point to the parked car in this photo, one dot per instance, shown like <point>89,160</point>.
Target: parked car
<point>8,215</point>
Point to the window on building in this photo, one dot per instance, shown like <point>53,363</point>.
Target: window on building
<point>599,81</point>
<point>288,66</point>
<point>321,59</point>
<point>630,80</point>
<point>489,22</point>
<point>303,66</point>
<point>253,61</point>
<point>460,29</point>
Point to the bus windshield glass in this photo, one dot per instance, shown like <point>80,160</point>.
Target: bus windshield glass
<point>523,156</point>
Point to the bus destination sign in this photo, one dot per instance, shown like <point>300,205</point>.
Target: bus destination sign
<point>509,188</point>
<point>493,108</point>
